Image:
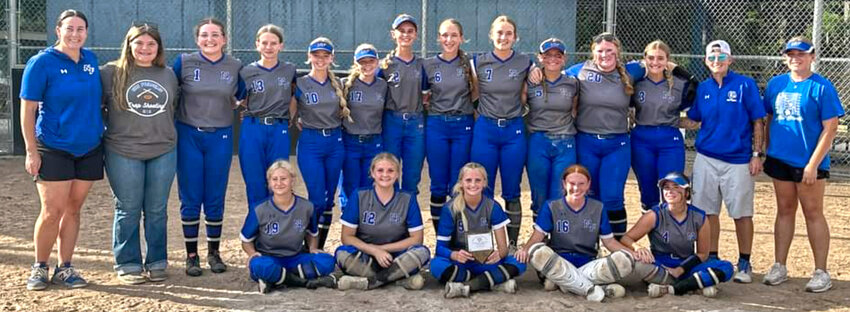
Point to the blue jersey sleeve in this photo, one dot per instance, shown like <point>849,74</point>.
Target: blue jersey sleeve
<point>445,229</point>
<point>178,68</point>
<point>498,217</point>
<point>250,228</point>
<point>573,71</point>
<point>380,72</point>
<point>543,223</point>
<point>414,216</point>
<point>34,80</point>
<point>425,85</point>
<point>605,226</point>
<point>241,90</point>
<point>752,100</point>
<point>351,214</point>
<point>635,70</point>
<point>298,92</point>
<point>828,101</point>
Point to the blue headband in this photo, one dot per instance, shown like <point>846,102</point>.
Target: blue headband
<point>552,44</point>
<point>364,53</point>
<point>322,46</point>
<point>799,46</point>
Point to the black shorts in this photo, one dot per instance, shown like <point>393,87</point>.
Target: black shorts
<point>779,170</point>
<point>59,165</point>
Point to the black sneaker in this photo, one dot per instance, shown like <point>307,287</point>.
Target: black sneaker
<point>193,266</point>
<point>216,265</point>
<point>323,281</point>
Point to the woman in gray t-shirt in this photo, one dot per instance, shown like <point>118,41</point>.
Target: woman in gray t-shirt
<point>139,97</point>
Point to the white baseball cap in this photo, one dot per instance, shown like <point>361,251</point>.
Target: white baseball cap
<point>722,45</point>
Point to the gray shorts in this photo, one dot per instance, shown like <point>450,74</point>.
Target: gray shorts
<point>715,180</point>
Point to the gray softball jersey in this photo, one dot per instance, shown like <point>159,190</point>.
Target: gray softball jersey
<point>656,104</point>
<point>500,84</point>
<point>146,129</point>
<point>479,221</point>
<point>318,105</point>
<point>603,106</point>
<point>269,89</point>
<point>671,237</point>
<point>207,90</point>
<point>551,111</point>
<point>383,224</point>
<point>366,102</point>
<point>282,233</point>
<point>449,86</point>
<point>404,83</point>
<point>576,231</point>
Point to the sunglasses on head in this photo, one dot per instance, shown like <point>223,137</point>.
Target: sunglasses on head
<point>604,37</point>
<point>142,24</point>
<point>717,58</point>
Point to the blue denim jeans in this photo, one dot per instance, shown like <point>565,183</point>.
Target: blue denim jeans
<point>140,189</point>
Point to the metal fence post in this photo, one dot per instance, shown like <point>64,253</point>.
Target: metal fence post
<point>817,28</point>
<point>229,22</point>
<point>423,31</point>
<point>611,16</point>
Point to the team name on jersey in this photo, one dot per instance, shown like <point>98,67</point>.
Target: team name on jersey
<point>88,68</point>
<point>788,106</point>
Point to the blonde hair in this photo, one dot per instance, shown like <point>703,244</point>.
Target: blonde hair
<point>280,164</point>
<point>663,47</point>
<point>344,112</point>
<point>270,28</point>
<point>458,202</point>
<point>126,63</point>
<point>355,71</point>
<point>464,58</point>
<point>505,19</point>
<point>624,76</point>
<point>384,156</point>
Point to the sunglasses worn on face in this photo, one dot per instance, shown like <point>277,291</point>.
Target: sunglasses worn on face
<point>142,24</point>
<point>717,58</point>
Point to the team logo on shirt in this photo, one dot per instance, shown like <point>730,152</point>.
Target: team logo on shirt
<point>225,75</point>
<point>147,98</point>
<point>513,74</point>
<point>395,218</point>
<point>88,68</point>
<point>299,225</point>
<point>732,96</point>
<point>482,222</point>
<point>788,106</point>
<point>692,236</point>
<point>667,97</point>
<point>281,81</point>
<point>589,225</point>
<point>460,72</point>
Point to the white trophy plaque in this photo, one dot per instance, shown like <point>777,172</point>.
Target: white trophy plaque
<point>480,245</point>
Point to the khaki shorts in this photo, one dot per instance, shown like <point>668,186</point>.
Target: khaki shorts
<point>715,180</point>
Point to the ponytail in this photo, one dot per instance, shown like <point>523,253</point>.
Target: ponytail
<point>344,112</point>
<point>626,79</point>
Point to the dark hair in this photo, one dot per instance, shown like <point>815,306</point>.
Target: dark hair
<point>209,20</point>
<point>71,13</point>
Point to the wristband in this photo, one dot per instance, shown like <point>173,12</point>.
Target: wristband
<point>690,263</point>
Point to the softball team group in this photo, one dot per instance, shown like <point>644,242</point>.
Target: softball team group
<point>468,115</point>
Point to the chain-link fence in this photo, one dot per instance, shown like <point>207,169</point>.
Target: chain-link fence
<point>756,30</point>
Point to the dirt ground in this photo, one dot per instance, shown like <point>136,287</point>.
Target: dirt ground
<point>233,290</point>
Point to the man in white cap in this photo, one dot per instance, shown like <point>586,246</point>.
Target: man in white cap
<point>729,147</point>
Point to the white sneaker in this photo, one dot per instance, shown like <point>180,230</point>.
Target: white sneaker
<point>820,282</point>
<point>744,274</point>
<point>414,282</point>
<point>777,275</point>
<point>263,287</point>
<point>549,285</point>
<point>508,287</point>
<point>710,291</point>
<point>596,294</point>
<point>614,291</point>
<point>657,290</point>
<point>347,282</point>
<point>454,290</point>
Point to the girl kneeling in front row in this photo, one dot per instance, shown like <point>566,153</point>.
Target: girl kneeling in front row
<point>469,212</point>
<point>274,237</point>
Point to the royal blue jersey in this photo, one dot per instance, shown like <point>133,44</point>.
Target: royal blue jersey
<point>798,110</point>
<point>727,112</point>
<point>69,117</point>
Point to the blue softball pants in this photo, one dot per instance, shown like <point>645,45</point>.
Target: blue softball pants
<point>404,137</point>
<point>613,153</point>
<point>450,139</point>
<point>656,151</point>
<point>470,269</point>
<point>548,156</point>
<point>260,144</point>
<point>359,151</point>
<point>269,268</point>
<point>500,144</point>
<point>203,167</point>
<point>700,270</point>
<point>320,154</point>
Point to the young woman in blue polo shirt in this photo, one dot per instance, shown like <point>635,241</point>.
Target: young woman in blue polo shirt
<point>802,110</point>
<point>62,135</point>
